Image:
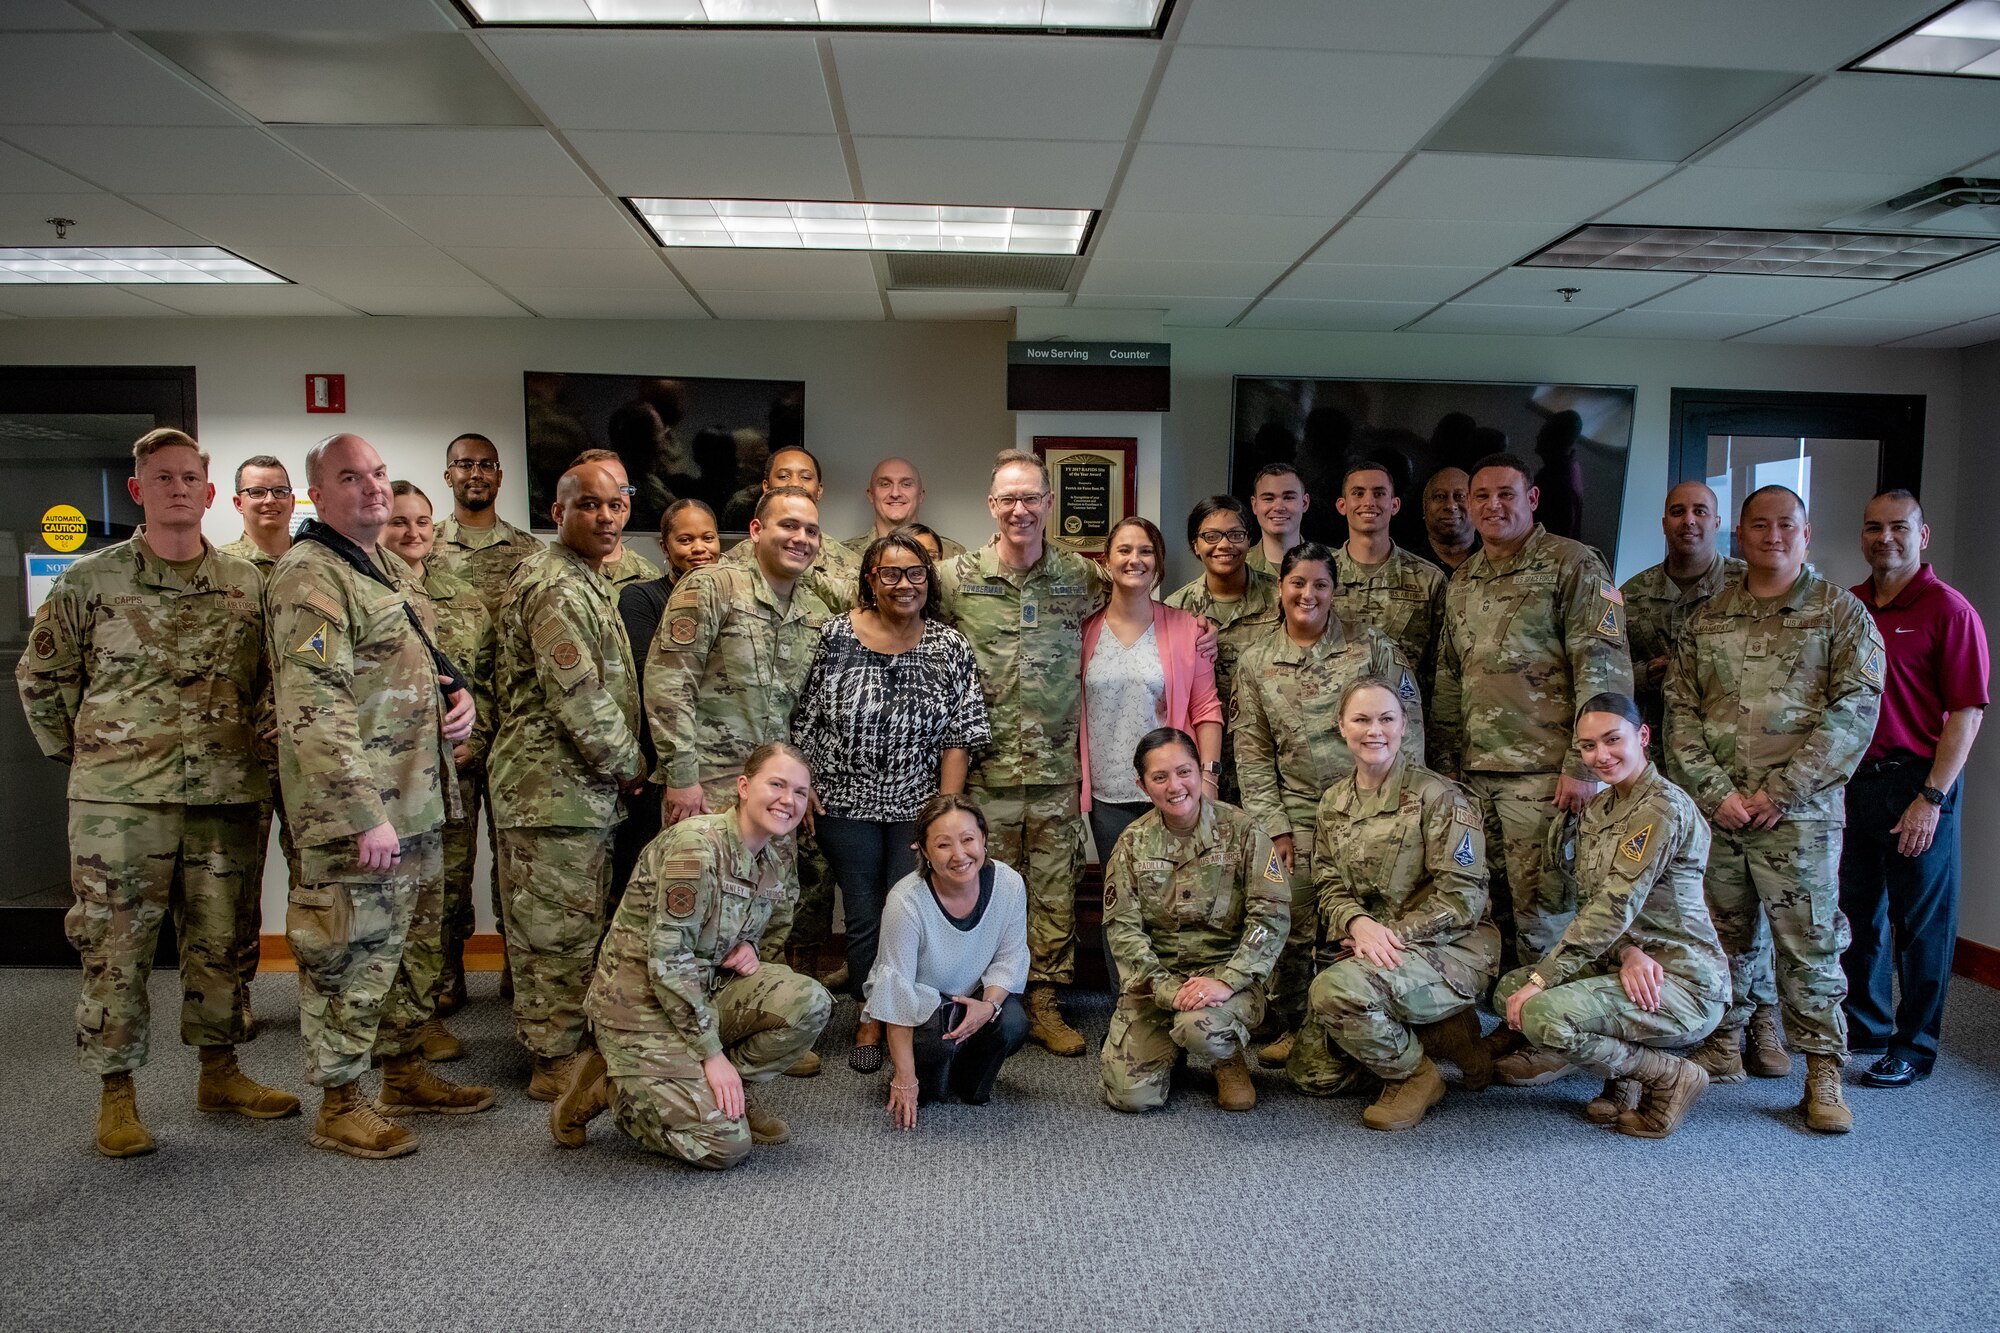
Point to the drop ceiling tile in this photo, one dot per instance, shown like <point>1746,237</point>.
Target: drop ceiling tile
<point>489,160</point>
<point>982,88</point>
<point>754,82</point>
<point>1432,241</point>
<point>330,267</point>
<point>1964,292</point>
<point>101,219</point>
<point>233,301</point>
<point>1441,27</point>
<point>669,302</point>
<point>1974,333</point>
<point>1874,123</point>
<point>43,15</point>
<point>986,306</point>
<point>472,220</point>
<point>290,15</point>
<point>1199,178</point>
<point>775,270</point>
<point>277,219</point>
<point>21,173</point>
<point>1206,236</point>
<point>1428,283</point>
<point>716,166</point>
<point>1750,294</point>
<point>1708,196</point>
<point>1606,290</point>
<point>1333,316</point>
<point>636,265</point>
<point>1154,278</point>
<point>1559,191</point>
<point>1186,312</point>
<point>1817,331</point>
<point>793,305</point>
<point>1306,99</point>
<point>1033,173</point>
<point>438,302</point>
<point>68,302</point>
<point>1507,319</point>
<point>1702,326</point>
<point>131,159</point>
<point>1806,35</point>
<point>96,79</point>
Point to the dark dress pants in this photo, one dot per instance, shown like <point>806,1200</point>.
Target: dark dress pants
<point>867,858</point>
<point>965,1069</point>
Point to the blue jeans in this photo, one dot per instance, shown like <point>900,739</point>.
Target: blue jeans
<point>867,858</point>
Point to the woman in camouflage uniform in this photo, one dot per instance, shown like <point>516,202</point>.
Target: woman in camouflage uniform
<point>1239,601</point>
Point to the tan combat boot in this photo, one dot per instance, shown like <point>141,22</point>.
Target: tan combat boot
<point>1826,1110</point>
<point>1233,1089</point>
<point>551,1076</point>
<point>765,1128</point>
<point>225,1087</point>
<point>1276,1052</point>
<point>411,1087</point>
<point>436,1042</point>
<point>119,1133</point>
<point>1457,1040</point>
<point>587,1096</point>
<point>1619,1096</point>
<point>1721,1055</point>
<point>1668,1086</point>
<point>805,1066</point>
<point>1766,1056</point>
<point>1404,1100</point>
<point>349,1122</point>
<point>1045,1023</point>
<point>1530,1068</point>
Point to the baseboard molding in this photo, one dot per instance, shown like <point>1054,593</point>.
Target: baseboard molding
<point>1977,962</point>
<point>483,953</point>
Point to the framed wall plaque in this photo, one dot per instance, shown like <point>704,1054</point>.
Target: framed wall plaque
<point>1095,480</point>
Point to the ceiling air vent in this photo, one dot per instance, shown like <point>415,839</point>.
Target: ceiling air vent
<point>933,272</point>
<point>1954,206</point>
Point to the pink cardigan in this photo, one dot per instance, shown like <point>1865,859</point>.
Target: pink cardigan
<point>1190,698</point>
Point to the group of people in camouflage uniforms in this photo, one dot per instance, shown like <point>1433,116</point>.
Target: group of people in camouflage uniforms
<point>1625,800</point>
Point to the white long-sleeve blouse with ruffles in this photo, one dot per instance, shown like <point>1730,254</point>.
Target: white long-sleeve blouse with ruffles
<point>923,957</point>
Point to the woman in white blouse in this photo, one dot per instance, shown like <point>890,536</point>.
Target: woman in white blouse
<point>950,965</point>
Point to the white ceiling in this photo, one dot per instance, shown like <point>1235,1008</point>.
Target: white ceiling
<point>1262,165</point>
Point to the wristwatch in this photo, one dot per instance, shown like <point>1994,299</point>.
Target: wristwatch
<point>1931,794</point>
<point>1212,769</point>
<point>1535,979</point>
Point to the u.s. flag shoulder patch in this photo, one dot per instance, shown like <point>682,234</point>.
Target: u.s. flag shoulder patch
<point>1871,670</point>
<point>1463,858</point>
<point>1634,848</point>
<point>1274,869</point>
<point>315,644</point>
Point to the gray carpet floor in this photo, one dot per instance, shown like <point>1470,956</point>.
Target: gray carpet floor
<point>1041,1212</point>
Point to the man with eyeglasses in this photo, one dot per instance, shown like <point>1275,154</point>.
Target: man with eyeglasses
<point>264,497</point>
<point>1021,604</point>
<point>626,566</point>
<point>1375,581</point>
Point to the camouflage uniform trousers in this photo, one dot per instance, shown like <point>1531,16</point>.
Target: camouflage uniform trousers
<point>1292,974</point>
<point>1518,809</point>
<point>129,866</point>
<point>1792,872</point>
<point>369,946</point>
<point>766,1020</point>
<point>720,793</point>
<point>1137,1063</point>
<point>1039,832</point>
<point>250,926</point>
<point>557,881</point>
<point>1594,1025</point>
<point>459,856</point>
<point>1369,1010</point>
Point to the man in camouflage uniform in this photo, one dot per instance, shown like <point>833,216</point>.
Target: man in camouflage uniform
<point>567,745</point>
<point>626,566</point>
<point>364,751</point>
<point>678,1037</point>
<point>1771,699</point>
<point>1532,627</point>
<point>145,675</point>
<point>834,576</point>
<point>895,495</point>
<point>1375,581</point>
<point>1195,920</point>
<point>1021,604</point>
<point>1240,620</point>
<point>1279,500</point>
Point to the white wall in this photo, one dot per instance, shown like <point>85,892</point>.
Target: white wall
<point>1977,575</point>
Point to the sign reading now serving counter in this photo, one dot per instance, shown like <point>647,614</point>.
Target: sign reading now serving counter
<point>1088,377</point>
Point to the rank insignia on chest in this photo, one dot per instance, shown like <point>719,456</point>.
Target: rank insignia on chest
<point>315,644</point>
<point>1871,670</point>
<point>1463,858</point>
<point>1031,615</point>
<point>1274,869</point>
<point>1634,848</point>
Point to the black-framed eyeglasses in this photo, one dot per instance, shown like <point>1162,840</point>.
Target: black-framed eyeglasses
<point>259,492</point>
<point>488,465</point>
<point>1232,536</point>
<point>891,575</point>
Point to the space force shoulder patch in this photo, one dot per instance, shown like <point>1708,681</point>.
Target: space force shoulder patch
<point>1274,869</point>
<point>1871,670</point>
<point>1633,849</point>
<point>1463,857</point>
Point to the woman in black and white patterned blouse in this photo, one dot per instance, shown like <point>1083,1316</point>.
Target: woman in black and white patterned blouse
<point>891,712</point>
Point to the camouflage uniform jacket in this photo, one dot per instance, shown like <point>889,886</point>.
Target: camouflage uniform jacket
<point>725,670</point>
<point>152,686</point>
<point>1778,696</point>
<point>1640,863</point>
<point>569,699</point>
<point>629,567</point>
<point>695,895</point>
<point>834,576</point>
<point>1285,724</point>
<point>1410,855</point>
<point>1237,623</point>
<point>1655,610</point>
<point>857,546</point>
<point>465,633</point>
<point>245,549</point>
<point>1525,641</point>
<point>1403,597</point>
<point>360,717</point>
<point>484,562</point>
<point>1214,902</point>
<point>1026,631</point>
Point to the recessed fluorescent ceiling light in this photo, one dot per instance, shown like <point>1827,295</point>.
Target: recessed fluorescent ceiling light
<point>1964,39</point>
<point>1790,254</point>
<point>129,265</point>
<point>1127,16</point>
<point>778,224</point>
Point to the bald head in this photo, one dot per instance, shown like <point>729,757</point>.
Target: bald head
<point>590,511</point>
<point>895,493</point>
<point>1691,521</point>
<point>592,477</point>
<point>349,485</point>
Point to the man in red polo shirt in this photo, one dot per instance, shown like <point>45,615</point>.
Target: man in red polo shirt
<point>1899,870</point>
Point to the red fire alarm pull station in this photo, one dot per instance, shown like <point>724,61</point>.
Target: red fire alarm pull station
<point>326,393</point>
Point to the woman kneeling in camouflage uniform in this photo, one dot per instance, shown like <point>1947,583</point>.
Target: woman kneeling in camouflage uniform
<point>1401,864</point>
<point>686,1015</point>
<point>1640,968</point>
<point>1196,907</point>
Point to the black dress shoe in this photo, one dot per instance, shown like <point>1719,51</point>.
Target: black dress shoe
<point>1892,1071</point>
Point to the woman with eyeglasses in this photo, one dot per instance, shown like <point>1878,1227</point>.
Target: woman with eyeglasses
<point>1241,602</point>
<point>891,710</point>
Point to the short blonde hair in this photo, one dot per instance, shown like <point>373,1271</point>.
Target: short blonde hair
<point>166,437</point>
